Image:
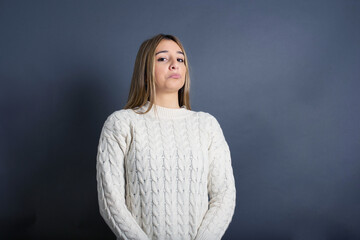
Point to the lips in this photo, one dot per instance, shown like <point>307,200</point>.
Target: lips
<point>175,75</point>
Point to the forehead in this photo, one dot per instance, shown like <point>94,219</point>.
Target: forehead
<point>167,44</point>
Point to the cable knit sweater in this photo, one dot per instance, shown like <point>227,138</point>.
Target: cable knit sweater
<point>166,174</point>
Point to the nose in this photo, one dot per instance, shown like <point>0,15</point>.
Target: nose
<point>174,65</point>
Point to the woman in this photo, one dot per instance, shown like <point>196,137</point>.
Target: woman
<point>164,171</point>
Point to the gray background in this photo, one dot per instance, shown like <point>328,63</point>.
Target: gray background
<point>281,77</point>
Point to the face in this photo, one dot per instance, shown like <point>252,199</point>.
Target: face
<point>169,67</point>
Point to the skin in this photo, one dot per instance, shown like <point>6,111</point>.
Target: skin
<point>168,61</point>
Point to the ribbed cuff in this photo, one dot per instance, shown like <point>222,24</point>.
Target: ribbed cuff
<point>206,235</point>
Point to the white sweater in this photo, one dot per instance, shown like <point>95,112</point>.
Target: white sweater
<point>165,176</point>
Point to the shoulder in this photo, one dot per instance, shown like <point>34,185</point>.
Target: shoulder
<point>119,120</point>
<point>207,118</point>
<point>212,125</point>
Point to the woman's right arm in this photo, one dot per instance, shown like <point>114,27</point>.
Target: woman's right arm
<point>110,177</point>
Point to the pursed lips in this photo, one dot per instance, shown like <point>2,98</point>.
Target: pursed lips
<point>175,76</point>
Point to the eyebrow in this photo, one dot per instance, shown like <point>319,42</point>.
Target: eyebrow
<point>165,51</point>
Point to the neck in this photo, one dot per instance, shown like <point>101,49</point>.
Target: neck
<point>167,100</point>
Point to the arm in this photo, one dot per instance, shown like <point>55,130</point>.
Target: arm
<point>221,187</point>
<point>112,147</point>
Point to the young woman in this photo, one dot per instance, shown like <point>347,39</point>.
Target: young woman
<point>163,170</point>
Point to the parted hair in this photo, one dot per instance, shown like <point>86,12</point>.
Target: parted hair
<point>142,88</point>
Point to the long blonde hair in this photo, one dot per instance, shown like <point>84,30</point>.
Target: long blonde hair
<point>142,88</point>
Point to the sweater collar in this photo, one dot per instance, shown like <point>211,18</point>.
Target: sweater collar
<point>164,112</point>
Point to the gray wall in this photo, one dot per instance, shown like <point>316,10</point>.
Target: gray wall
<point>282,78</point>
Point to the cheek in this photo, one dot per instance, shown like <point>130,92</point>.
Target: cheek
<point>183,69</point>
<point>158,73</point>
<point>159,70</point>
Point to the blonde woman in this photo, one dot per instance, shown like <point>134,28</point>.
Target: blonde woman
<point>163,170</point>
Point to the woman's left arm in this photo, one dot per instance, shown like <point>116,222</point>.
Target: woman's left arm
<point>221,187</point>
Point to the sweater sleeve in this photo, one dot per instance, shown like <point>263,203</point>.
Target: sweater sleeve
<point>113,144</point>
<point>221,187</point>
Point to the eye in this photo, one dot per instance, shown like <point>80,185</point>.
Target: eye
<point>161,59</point>
<point>180,60</point>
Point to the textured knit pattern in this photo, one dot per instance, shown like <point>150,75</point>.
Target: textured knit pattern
<point>165,175</point>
